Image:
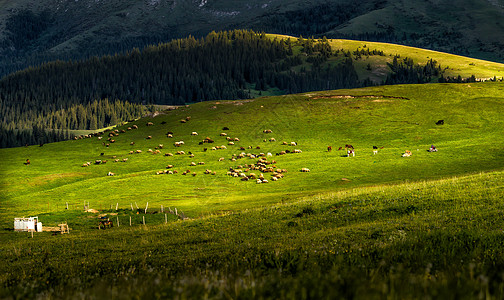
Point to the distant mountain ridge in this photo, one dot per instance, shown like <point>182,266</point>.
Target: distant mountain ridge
<point>32,31</point>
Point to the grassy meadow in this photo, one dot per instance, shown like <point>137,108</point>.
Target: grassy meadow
<point>452,65</point>
<point>369,226</point>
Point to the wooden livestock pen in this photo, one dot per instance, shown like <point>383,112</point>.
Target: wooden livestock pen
<point>61,228</point>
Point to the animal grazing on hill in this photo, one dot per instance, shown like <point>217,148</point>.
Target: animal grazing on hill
<point>440,122</point>
<point>407,153</point>
<point>432,149</point>
<point>149,124</point>
<point>329,148</point>
<point>105,223</point>
<point>27,162</point>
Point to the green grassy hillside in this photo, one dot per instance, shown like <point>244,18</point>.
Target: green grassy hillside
<point>397,118</point>
<point>452,65</point>
<point>439,239</point>
<point>369,226</point>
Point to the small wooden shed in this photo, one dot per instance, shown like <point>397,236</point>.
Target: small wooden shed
<point>27,224</point>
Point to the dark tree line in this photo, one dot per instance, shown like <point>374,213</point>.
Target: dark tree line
<point>405,71</point>
<point>34,136</point>
<point>29,127</point>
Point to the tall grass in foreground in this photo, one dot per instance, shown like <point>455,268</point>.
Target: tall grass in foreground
<point>434,239</point>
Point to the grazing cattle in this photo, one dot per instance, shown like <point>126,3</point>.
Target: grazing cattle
<point>149,124</point>
<point>231,143</point>
<point>225,128</point>
<point>194,133</point>
<point>293,144</point>
<point>440,122</point>
<point>329,148</point>
<point>407,153</point>
<point>27,162</point>
<point>132,143</point>
<point>134,127</point>
<point>297,151</point>
<point>305,170</point>
<point>149,137</point>
<point>223,134</point>
<point>267,131</point>
<point>110,174</point>
<point>105,222</point>
<point>139,151</point>
<point>168,154</point>
<point>432,149</point>
<point>183,121</point>
<point>272,140</point>
<point>375,149</point>
<point>169,135</point>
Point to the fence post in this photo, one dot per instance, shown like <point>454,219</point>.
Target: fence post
<point>143,217</point>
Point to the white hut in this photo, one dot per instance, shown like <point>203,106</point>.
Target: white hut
<point>27,224</point>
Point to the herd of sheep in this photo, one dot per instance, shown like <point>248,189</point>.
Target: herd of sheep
<point>251,171</point>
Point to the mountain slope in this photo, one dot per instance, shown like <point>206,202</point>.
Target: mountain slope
<point>397,118</point>
<point>33,31</point>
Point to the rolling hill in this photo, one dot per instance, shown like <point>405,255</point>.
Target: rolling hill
<point>365,226</point>
<point>397,118</point>
<point>32,32</point>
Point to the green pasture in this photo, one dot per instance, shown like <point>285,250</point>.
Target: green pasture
<point>368,226</point>
<point>397,118</point>
<point>436,238</point>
